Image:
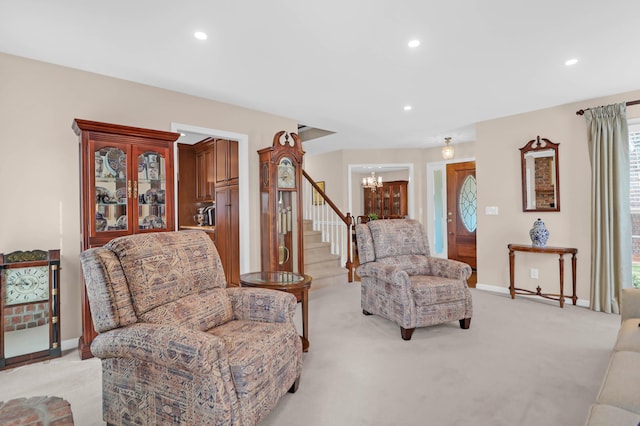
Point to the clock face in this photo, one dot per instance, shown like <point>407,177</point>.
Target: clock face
<point>286,174</point>
<point>28,284</point>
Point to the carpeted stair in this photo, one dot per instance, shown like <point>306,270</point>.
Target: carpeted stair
<point>318,260</point>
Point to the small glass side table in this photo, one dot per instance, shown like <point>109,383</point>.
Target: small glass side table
<point>291,282</point>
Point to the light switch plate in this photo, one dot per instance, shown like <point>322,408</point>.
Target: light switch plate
<point>491,210</point>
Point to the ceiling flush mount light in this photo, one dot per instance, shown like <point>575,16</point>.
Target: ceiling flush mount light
<point>571,61</point>
<point>414,43</point>
<point>447,149</point>
<point>200,35</point>
<point>372,182</point>
<point>408,107</point>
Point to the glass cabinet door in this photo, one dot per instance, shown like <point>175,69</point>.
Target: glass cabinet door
<point>150,190</point>
<point>112,188</point>
<point>396,209</point>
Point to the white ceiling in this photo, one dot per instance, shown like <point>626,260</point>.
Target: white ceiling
<point>344,65</point>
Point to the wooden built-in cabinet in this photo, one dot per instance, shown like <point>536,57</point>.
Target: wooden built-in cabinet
<point>205,170</point>
<point>227,236</point>
<point>209,172</point>
<point>126,187</point>
<point>389,201</point>
<point>228,208</point>
<point>226,157</point>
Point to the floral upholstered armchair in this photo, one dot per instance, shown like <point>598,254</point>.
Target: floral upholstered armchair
<point>403,283</point>
<point>176,345</point>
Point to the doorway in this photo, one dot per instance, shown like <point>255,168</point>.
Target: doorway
<point>452,212</point>
<point>462,215</point>
<point>193,134</point>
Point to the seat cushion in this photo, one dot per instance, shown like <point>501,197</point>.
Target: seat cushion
<point>199,311</point>
<point>265,359</point>
<point>431,290</point>
<point>628,336</point>
<point>163,267</point>
<point>621,385</point>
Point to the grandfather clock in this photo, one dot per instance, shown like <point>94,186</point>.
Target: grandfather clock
<point>281,204</point>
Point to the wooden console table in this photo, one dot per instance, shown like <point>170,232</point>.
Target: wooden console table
<point>560,251</point>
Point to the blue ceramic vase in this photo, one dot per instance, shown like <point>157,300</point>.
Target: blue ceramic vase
<point>539,234</point>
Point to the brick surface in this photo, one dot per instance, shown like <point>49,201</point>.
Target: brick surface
<point>37,410</point>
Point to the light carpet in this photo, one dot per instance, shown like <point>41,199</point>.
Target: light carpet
<point>522,362</point>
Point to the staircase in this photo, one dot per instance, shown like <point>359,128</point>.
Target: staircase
<point>318,260</point>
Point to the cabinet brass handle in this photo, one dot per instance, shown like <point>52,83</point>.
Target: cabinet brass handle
<point>128,189</point>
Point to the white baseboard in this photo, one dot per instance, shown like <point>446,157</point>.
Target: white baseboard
<point>69,344</point>
<point>505,290</point>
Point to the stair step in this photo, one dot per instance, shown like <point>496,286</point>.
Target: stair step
<point>311,237</point>
<point>307,225</point>
<point>328,261</point>
<point>319,263</point>
<point>326,272</point>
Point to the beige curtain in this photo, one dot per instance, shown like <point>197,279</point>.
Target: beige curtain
<point>610,214</point>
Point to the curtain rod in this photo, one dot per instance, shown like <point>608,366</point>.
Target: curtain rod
<point>581,111</point>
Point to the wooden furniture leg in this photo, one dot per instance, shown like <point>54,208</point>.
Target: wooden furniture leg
<point>561,261</point>
<point>512,289</point>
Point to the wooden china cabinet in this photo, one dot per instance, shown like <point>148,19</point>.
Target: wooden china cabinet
<point>388,202</point>
<point>126,187</point>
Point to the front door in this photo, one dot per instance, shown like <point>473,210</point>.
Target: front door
<point>461,214</point>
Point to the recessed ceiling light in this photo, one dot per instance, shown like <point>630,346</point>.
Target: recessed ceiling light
<point>200,35</point>
<point>571,61</point>
<point>408,107</point>
<point>414,43</point>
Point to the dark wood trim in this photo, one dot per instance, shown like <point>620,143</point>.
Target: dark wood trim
<point>540,144</point>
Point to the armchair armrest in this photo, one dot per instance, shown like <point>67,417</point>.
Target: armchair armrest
<point>166,345</point>
<point>629,303</point>
<point>259,304</point>
<point>449,268</point>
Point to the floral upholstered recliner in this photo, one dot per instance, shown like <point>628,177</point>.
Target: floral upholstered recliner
<point>176,345</point>
<point>403,283</point>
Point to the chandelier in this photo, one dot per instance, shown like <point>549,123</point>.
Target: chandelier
<point>372,182</point>
<point>447,150</point>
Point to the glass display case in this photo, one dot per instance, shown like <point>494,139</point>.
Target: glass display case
<point>118,193</point>
<point>126,179</point>
<point>388,202</point>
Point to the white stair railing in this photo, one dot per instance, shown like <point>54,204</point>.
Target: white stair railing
<point>335,227</point>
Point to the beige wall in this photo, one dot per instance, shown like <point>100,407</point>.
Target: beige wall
<point>39,173</point>
<point>499,184</point>
<point>39,168</point>
<point>334,167</point>
<point>497,156</point>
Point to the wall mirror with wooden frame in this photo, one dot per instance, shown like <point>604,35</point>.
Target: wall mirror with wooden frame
<point>540,176</point>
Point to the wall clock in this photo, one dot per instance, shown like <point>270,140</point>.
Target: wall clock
<point>30,306</point>
<point>27,284</point>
